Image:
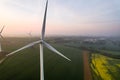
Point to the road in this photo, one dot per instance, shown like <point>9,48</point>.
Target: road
<point>87,71</point>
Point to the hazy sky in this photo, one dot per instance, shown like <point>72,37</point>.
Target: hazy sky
<point>65,17</point>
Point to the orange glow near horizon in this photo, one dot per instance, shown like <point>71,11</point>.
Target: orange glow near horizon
<point>62,19</point>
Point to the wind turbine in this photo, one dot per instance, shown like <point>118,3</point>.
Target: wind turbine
<point>1,37</point>
<point>41,43</point>
<point>29,34</point>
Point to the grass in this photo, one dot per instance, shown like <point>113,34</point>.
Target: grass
<point>25,64</point>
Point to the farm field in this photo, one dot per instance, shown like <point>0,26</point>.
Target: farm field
<point>102,67</point>
<point>105,68</point>
<point>25,64</point>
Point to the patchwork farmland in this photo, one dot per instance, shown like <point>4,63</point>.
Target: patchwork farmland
<point>25,64</point>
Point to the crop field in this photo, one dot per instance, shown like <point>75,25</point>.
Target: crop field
<point>102,67</point>
<point>105,68</point>
<point>25,65</point>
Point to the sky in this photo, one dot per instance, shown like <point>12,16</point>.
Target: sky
<point>64,17</point>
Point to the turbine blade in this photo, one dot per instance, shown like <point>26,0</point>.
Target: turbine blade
<point>2,29</point>
<point>54,50</point>
<point>24,47</point>
<point>27,46</point>
<point>44,22</point>
<point>1,36</point>
<point>1,61</point>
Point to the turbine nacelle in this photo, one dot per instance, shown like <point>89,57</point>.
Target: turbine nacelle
<point>41,41</point>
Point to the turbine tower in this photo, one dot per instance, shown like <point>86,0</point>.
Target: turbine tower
<point>41,43</point>
<point>1,37</point>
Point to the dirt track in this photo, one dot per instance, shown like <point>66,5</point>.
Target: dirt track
<point>87,73</point>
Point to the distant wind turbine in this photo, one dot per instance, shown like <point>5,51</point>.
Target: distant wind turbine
<point>41,43</point>
<point>1,37</point>
<point>30,34</point>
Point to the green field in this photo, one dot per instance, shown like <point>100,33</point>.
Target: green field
<point>25,65</point>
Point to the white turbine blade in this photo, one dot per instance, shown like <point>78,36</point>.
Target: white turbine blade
<point>1,36</point>
<point>44,22</point>
<point>27,46</point>
<point>2,29</point>
<point>1,61</point>
<point>54,50</point>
